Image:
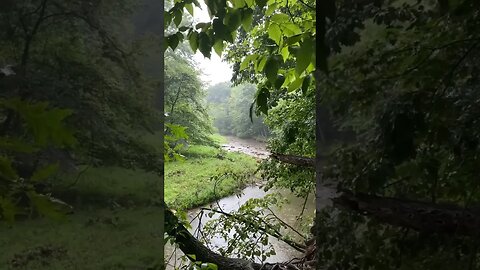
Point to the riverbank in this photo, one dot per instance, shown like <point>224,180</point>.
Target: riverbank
<point>297,212</point>
<point>207,174</point>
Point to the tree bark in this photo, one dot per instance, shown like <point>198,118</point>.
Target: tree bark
<point>192,246</point>
<point>420,216</point>
<point>417,215</point>
<point>294,160</point>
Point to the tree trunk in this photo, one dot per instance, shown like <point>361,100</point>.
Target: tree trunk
<point>294,160</point>
<point>416,215</point>
<point>420,216</point>
<point>191,246</point>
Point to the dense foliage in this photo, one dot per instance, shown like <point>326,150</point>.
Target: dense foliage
<point>401,82</point>
<point>184,98</point>
<point>79,57</point>
<point>407,90</point>
<point>230,109</point>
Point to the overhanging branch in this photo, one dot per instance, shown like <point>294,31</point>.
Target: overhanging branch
<point>294,160</point>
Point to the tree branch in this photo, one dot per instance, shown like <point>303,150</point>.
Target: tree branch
<point>294,160</point>
<point>271,231</point>
<point>416,215</point>
<point>191,246</point>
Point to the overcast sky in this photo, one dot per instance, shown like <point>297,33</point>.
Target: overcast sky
<point>213,69</point>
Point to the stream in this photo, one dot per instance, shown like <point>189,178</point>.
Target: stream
<point>288,212</point>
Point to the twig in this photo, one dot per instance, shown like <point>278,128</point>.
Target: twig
<point>307,5</point>
<point>78,176</point>
<point>275,233</point>
<point>285,224</point>
<point>304,205</point>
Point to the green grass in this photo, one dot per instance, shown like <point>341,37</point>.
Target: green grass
<point>96,239</point>
<point>218,138</point>
<point>188,183</point>
<point>116,224</point>
<point>105,185</point>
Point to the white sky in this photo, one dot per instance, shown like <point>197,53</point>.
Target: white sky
<point>213,69</point>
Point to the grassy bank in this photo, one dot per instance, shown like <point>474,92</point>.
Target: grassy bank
<point>99,238</point>
<point>116,224</point>
<point>193,182</point>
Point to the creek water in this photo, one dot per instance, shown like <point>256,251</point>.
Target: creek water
<point>288,212</point>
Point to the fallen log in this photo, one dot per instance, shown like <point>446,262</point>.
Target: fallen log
<point>416,215</point>
<point>192,246</point>
<point>294,160</point>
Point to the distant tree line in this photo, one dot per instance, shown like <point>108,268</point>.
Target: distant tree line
<point>230,108</point>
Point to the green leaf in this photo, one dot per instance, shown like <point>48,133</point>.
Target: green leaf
<point>46,125</point>
<point>167,18</point>
<point>173,41</point>
<point>44,172</point>
<point>218,47</point>
<point>294,39</point>
<point>271,68</point>
<point>221,30</point>
<point>248,59</point>
<point>193,40</point>
<point>306,83</point>
<point>177,17</point>
<point>247,19</point>
<point>262,98</point>
<point>177,131</point>
<point>212,7</point>
<point>295,84</point>
<point>189,8</point>
<point>279,82</point>
<point>238,4</point>
<point>280,18</point>
<point>203,26</point>
<point>271,8</point>
<point>285,53</point>
<point>180,36</point>
<point>249,3</point>
<point>290,29</point>
<point>233,19</point>
<point>260,64</point>
<point>304,55</point>
<point>275,33</point>
<point>261,3</point>
<point>205,45</point>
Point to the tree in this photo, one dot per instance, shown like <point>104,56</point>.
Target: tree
<point>400,85</point>
<point>64,55</point>
<point>280,61</point>
<point>184,98</point>
<point>230,108</point>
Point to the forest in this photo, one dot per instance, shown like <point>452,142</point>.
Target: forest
<point>112,148</point>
